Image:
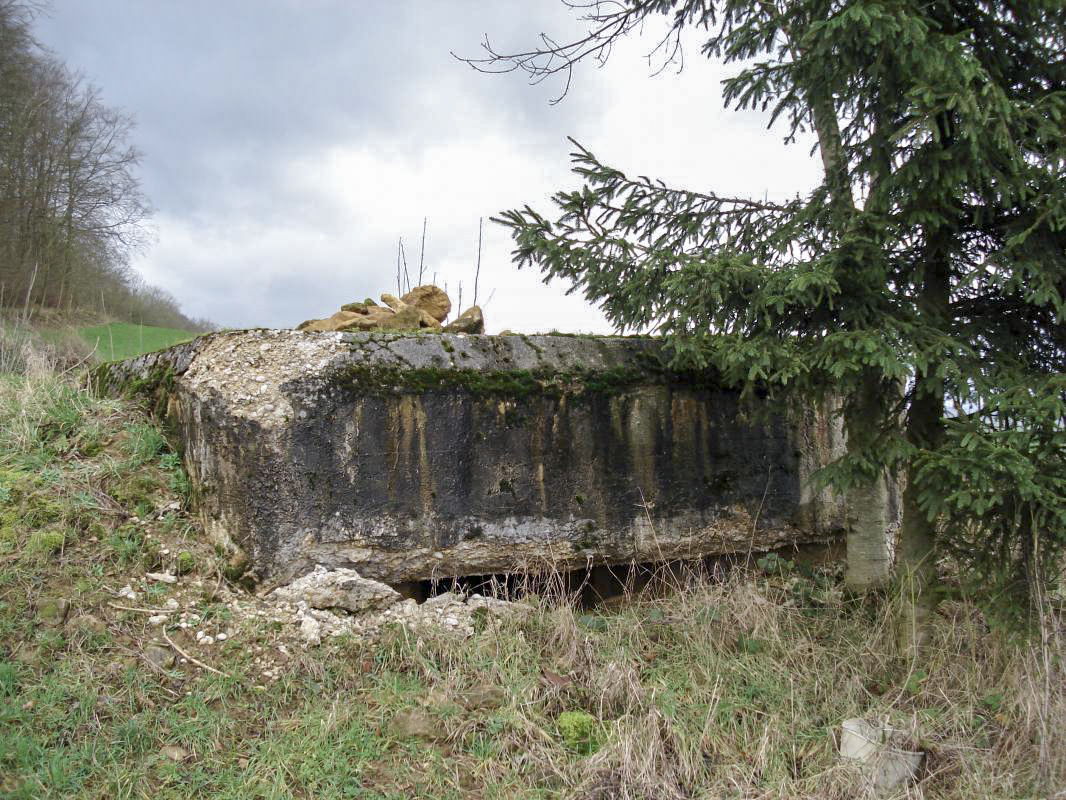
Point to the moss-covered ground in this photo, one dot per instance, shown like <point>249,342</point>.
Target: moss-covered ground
<point>717,687</point>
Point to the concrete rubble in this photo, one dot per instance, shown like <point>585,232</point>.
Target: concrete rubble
<point>886,765</point>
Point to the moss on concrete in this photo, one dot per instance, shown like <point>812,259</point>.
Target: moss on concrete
<point>517,383</point>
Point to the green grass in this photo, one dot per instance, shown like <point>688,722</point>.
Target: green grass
<point>119,340</point>
<point>732,688</point>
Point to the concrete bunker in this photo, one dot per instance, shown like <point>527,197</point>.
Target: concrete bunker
<point>417,457</point>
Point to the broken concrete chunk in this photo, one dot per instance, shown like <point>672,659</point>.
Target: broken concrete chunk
<point>53,612</point>
<point>423,308</point>
<point>886,766</point>
<point>373,319</point>
<point>339,588</point>
<point>408,318</point>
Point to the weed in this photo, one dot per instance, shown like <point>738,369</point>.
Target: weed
<point>578,730</point>
<point>16,344</point>
<point>143,443</point>
<point>46,542</point>
<point>184,563</point>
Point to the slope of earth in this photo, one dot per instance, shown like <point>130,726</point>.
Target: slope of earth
<point>130,667</point>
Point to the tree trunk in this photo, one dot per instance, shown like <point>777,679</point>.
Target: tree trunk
<point>869,556</point>
<point>917,541</point>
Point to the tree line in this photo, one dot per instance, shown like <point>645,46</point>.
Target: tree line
<point>72,211</point>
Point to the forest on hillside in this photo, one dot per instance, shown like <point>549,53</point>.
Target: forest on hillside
<point>72,211</point>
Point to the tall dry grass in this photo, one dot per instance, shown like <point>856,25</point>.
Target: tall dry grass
<point>738,687</point>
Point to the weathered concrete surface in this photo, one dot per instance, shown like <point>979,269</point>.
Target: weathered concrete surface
<point>408,457</point>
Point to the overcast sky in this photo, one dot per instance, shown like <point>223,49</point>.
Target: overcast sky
<point>288,144</point>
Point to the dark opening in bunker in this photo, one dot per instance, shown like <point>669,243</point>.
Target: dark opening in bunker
<point>605,585</point>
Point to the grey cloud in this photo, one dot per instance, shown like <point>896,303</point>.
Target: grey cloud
<point>244,106</point>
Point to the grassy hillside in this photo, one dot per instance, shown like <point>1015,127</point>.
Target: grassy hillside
<point>720,688</point>
<point>118,340</point>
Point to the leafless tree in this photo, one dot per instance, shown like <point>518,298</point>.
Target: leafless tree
<point>607,22</point>
<point>71,206</point>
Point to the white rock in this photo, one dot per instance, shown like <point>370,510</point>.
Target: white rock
<point>157,619</point>
<point>311,630</point>
<point>162,577</point>
<point>441,600</point>
<point>127,592</point>
<point>338,588</point>
<point>886,766</point>
<point>222,637</point>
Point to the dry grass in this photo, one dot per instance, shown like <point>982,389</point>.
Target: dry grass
<point>738,689</point>
<point>731,684</point>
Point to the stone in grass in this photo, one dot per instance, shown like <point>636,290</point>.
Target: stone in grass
<point>483,697</point>
<point>413,723</point>
<point>339,588</point>
<point>159,656</point>
<point>175,753</point>
<point>885,765</point>
<point>53,612</point>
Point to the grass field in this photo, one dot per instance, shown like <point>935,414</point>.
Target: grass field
<point>726,688</point>
<point>118,340</point>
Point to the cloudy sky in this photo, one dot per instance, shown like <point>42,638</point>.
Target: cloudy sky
<point>288,144</point>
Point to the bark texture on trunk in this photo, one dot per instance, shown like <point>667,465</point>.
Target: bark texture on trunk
<point>869,554</point>
<point>917,541</point>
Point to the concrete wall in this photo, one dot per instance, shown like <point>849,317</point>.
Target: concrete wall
<point>416,456</point>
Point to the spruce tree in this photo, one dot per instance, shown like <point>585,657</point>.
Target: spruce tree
<point>924,279</point>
